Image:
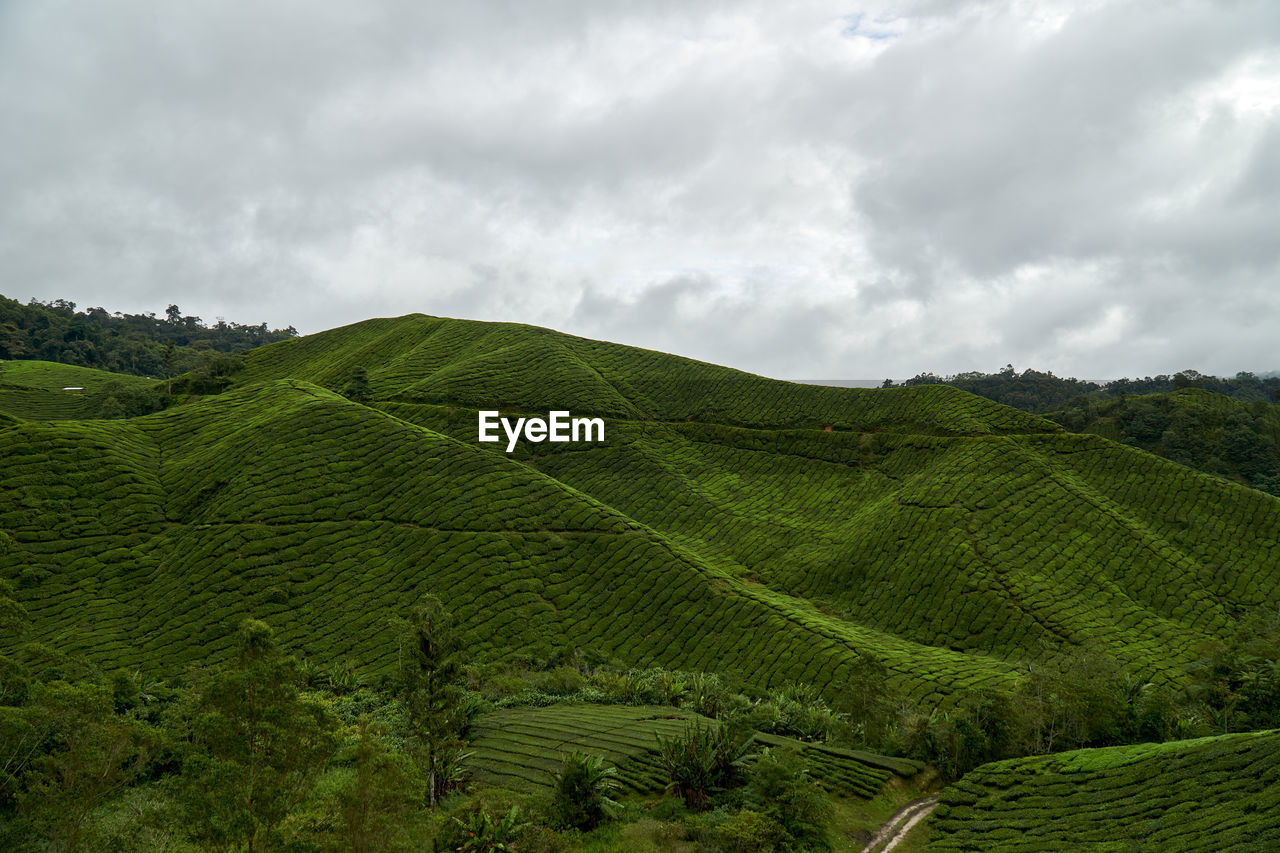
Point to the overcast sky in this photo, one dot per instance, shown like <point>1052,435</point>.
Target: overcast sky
<point>800,189</point>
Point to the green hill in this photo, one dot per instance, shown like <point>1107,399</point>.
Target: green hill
<point>35,390</point>
<point>720,526</point>
<point>1220,793</point>
<point>139,542</point>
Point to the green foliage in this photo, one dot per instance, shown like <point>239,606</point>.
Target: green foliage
<point>254,746</point>
<point>1211,794</point>
<point>952,560</point>
<point>378,798</point>
<point>980,729</point>
<point>1033,391</point>
<point>866,698</point>
<point>77,754</point>
<point>582,792</point>
<point>780,789</point>
<point>433,360</point>
<point>482,833</point>
<point>750,831</point>
<point>703,760</point>
<point>123,343</point>
<point>1235,685</point>
<point>357,388</point>
<point>212,374</point>
<point>1206,431</point>
<point>1070,702</point>
<point>34,390</point>
<point>521,748</point>
<point>430,671</point>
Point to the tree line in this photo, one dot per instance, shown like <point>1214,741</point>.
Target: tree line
<point>139,344</point>
<point>1043,392</point>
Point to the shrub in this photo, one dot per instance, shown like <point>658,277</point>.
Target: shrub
<point>701,762</point>
<point>480,833</point>
<point>583,789</point>
<point>780,789</point>
<point>750,831</point>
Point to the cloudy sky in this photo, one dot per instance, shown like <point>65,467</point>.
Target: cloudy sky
<point>800,189</point>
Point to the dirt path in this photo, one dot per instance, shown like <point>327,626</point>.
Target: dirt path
<point>900,824</point>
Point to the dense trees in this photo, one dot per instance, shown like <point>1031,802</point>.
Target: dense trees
<point>254,746</point>
<point>141,344</point>
<point>1034,391</point>
<point>1235,435</point>
<point>1207,432</point>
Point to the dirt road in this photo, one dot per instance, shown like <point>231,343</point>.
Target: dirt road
<point>900,824</point>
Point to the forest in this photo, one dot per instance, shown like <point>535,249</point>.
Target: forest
<point>136,344</point>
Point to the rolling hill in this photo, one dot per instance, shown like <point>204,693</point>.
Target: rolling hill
<point>35,389</point>
<point>1218,793</point>
<point>720,526</point>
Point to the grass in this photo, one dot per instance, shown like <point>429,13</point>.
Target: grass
<point>1220,793</point>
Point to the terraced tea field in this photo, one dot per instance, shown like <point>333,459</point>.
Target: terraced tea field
<point>151,536</point>
<point>1009,547</point>
<point>520,748</point>
<point>953,538</point>
<point>1212,794</point>
<point>845,772</point>
<point>33,389</point>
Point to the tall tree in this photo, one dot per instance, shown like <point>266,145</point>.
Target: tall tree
<point>375,804</point>
<point>430,689</point>
<point>255,745</point>
<point>88,754</point>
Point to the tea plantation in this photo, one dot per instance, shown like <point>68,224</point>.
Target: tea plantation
<point>792,540</point>
<point>950,537</point>
<point>1220,793</point>
<point>139,542</point>
<point>521,748</point>
<point>34,389</point>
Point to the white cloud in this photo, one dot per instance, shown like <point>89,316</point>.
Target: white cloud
<point>798,189</point>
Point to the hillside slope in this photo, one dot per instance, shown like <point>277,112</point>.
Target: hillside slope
<point>140,542</point>
<point>1211,794</point>
<point>34,389</point>
<point>1011,547</point>
<point>953,538</point>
